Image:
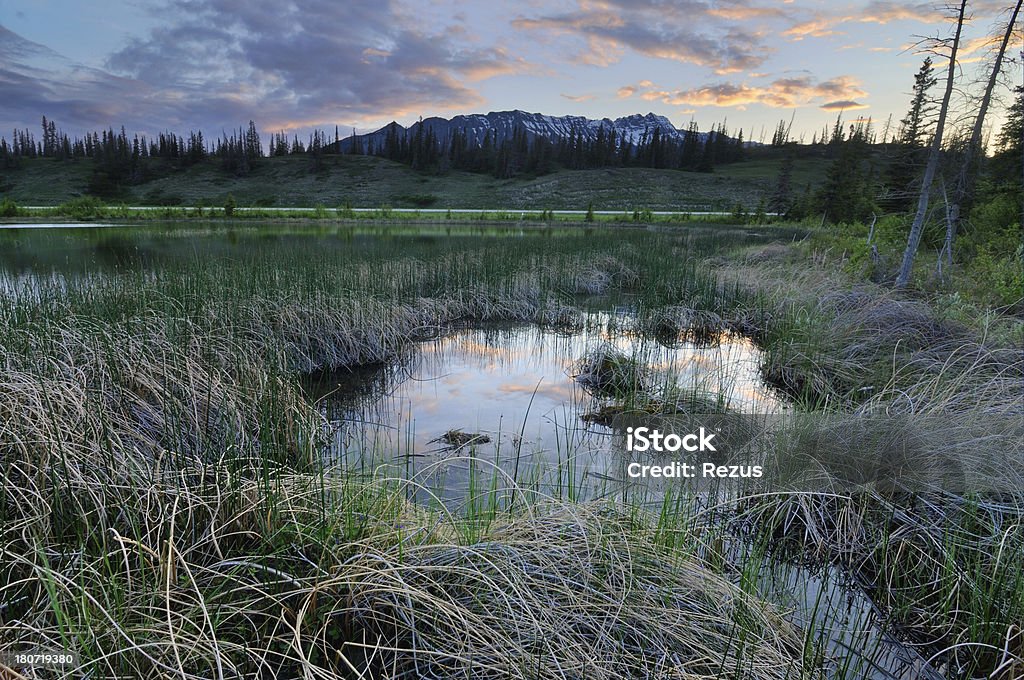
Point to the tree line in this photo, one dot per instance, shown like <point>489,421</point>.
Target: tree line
<point>933,168</point>
<point>522,153</point>
<point>121,159</point>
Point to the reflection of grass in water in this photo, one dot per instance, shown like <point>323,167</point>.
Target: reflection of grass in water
<point>457,439</point>
<point>607,371</point>
<point>157,454</point>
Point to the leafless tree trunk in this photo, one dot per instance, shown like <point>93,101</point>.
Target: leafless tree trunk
<point>914,239</point>
<point>950,230</point>
<point>964,193</point>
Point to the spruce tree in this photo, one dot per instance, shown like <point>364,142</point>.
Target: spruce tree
<point>915,131</point>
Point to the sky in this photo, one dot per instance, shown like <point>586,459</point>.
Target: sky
<point>294,65</point>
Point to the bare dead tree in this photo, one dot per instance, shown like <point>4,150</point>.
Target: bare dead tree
<point>964,193</point>
<point>914,238</point>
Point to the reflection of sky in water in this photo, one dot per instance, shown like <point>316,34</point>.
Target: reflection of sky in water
<point>512,380</point>
<point>483,380</point>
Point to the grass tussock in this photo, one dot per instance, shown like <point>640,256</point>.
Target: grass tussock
<point>572,593</point>
<point>608,371</point>
<point>943,565</point>
<point>675,325</point>
<point>223,569</point>
<point>831,342</point>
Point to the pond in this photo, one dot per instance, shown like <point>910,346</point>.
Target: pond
<point>465,417</point>
<point>507,400</point>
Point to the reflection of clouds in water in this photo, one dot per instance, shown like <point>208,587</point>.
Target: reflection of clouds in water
<point>754,395</point>
<point>730,368</point>
<point>486,380</point>
<point>452,379</point>
<point>559,392</point>
<point>430,406</point>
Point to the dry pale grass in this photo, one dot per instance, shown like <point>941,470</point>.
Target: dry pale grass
<point>158,519</point>
<point>210,572</point>
<point>566,593</point>
<point>942,563</point>
<point>852,344</point>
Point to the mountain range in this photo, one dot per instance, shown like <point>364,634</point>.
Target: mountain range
<point>502,124</point>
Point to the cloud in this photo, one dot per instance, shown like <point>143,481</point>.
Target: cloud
<point>288,64</point>
<point>578,97</point>
<point>843,105</point>
<point>748,13</point>
<point>814,28</point>
<point>824,24</point>
<point>781,93</point>
<point>688,31</point>
<point>879,12</point>
<point>37,81</point>
<point>626,91</point>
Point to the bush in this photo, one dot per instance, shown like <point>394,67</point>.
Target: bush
<point>229,206</point>
<point>644,215</point>
<point>8,208</point>
<point>1000,277</point>
<point>739,214</point>
<point>84,207</point>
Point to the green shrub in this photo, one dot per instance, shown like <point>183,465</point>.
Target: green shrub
<point>229,205</point>
<point>996,214</point>
<point>1000,274</point>
<point>760,216</point>
<point>8,208</point>
<point>739,214</point>
<point>81,208</point>
<point>645,215</point>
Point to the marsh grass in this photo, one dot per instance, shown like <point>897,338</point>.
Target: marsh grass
<point>936,563</point>
<point>167,509</point>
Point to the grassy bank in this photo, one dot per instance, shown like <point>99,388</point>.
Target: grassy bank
<point>166,507</point>
<point>93,210</point>
<point>371,181</point>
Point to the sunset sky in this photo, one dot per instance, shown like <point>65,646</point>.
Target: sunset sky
<point>214,64</point>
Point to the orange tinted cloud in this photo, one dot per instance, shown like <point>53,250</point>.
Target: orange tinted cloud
<point>815,28</point>
<point>780,93</point>
<point>879,12</point>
